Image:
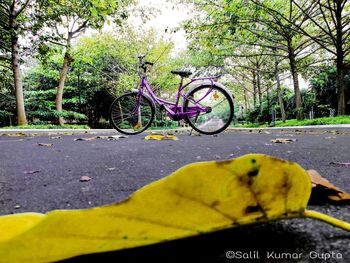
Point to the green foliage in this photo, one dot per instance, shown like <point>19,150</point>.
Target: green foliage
<point>308,122</point>
<point>105,67</point>
<point>7,97</point>
<point>316,121</point>
<point>40,94</point>
<point>51,115</point>
<point>86,13</point>
<point>323,83</point>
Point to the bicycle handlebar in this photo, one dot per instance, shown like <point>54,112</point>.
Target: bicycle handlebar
<point>143,65</point>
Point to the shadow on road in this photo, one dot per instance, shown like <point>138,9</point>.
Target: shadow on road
<point>254,241</point>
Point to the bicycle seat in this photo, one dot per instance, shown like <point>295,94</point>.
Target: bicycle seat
<point>182,73</point>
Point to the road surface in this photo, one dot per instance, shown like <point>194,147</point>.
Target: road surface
<point>42,178</point>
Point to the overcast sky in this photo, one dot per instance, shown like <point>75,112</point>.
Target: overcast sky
<point>170,16</point>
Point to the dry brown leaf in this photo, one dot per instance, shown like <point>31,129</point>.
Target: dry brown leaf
<point>113,137</point>
<point>85,178</point>
<point>283,140</point>
<point>86,139</point>
<point>45,144</point>
<point>323,190</point>
<point>55,137</point>
<point>14,134</point>
<point>31,172</point>
<point>340,164</point>
<point>330,138</point>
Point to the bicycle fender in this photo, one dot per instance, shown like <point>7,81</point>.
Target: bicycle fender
<point>209,83</point>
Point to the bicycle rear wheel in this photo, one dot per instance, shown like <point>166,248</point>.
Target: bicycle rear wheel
<point>126,118</point>
<point>219,113</point>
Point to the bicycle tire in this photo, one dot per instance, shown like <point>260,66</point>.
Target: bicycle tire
<point>124,105</point>
<point>226,121</point>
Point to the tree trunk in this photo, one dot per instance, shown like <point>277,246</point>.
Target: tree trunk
<point>294,73</point>
<point>259,91</point>
<point>254,89</point>
<point>17,76</point>
<point>340,87</point>
<point>246,100</point>
<point>279,93</point>
<point>340,43</point>
<point>63,75</point>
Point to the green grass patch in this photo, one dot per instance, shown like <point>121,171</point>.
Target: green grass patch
<point>317,121</point>
<point>49,126</point>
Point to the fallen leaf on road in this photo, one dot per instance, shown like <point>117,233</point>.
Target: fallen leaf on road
<point>45,144</point>
<point>340,164</point>
<point>55,137</point>
<point>109,138</point>
<point>32,172</point>
<point>86,139</point>
<point>85,178</point>
<point>160,137</point>
<point>198,198</point>
<point>283,140</point>
<point>194,134</point>
<point>265,132</point>
<point>323,190</point>
<point>18,134</point>
<point>114,137</point>
<point>330,137</point>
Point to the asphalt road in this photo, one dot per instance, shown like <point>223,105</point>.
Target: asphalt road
<point>119,167</point>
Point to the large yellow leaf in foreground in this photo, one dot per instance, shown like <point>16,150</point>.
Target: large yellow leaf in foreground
<point>197,198</point>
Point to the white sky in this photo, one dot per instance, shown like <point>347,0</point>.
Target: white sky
<point>169,16</point>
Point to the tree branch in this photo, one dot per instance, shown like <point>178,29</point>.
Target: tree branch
<point>81,27</point>
<point>22,8</point>
<point>56,43</point>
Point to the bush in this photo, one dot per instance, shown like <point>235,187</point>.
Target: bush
<point>52,115</point>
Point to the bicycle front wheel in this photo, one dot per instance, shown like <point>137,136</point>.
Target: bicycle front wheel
<point>209,109</point>
<point>130,117</point>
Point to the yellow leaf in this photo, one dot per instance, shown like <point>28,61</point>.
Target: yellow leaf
<point>195,199</point>
<point>216,95</point>
<point>138,126</point>
<point>160,137</point>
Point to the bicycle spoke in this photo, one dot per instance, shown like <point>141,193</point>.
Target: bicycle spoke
<point>219,107</point>
<point>130,117</point>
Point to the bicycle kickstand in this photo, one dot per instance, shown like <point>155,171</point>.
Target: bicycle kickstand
<point>195,120</point>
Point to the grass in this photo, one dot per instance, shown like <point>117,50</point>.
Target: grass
<point>49,126</point>
<point>317,121</point>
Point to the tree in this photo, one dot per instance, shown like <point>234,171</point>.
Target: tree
<point>105,66</point>
<point>255,25</point>
<point>69,19</point>
<point>12,25</point>
<point>270,24</point>
<point>329,27</point>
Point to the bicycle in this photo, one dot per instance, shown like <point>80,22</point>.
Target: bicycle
<point>207,106</point>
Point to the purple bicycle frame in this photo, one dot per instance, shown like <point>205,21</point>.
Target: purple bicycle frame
<point>175,111</point>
